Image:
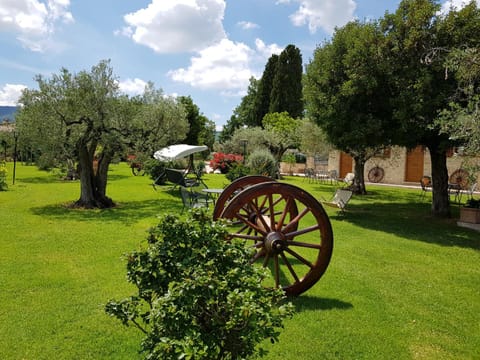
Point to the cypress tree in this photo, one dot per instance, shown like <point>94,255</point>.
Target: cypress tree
<point>286,92</point>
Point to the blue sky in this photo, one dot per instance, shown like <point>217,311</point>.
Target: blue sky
<point>207,49</point>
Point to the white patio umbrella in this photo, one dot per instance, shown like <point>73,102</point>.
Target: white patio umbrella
<point>175,152</point>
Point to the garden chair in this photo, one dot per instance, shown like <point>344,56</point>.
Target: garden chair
<point>178,178</point>
<point>426,185</point>
<point>192,199</point>
<point>470,191</point>
<point>340,199</point>
<point>348,179</point>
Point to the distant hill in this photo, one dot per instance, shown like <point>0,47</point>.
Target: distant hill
<point>7,112</point>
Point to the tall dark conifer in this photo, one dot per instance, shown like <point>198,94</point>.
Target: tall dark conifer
<point>262,101</point>
<point>286,94</point>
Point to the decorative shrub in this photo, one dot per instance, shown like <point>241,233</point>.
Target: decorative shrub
<point>237,171</point>
<point>262,162</point>
<point>224,162</point>
<point>473,203</point>
<point>155,169</point>
<point>198,296</point>
<point>3,176</point>
<point>300,158</point>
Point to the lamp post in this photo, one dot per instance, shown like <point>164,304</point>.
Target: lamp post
<point>244,143</point>
<point>15,138</point>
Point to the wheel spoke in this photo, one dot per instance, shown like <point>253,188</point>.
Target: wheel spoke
<point>276,271</point>
<point>299,257</point>
<point>292,234</point>
<point>272,212</point>
<point>305,245</point>
<point>284,213</point>
<point>247,237</point>
<point>250,224</point>
<point>257,256</point>
<point>295,220</point>
<point>289,266</point>
<point>265,260</point>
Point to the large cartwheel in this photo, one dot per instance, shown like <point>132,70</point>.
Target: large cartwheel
<point>288,230</point>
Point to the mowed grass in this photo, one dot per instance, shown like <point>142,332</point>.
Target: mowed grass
<point>401,284</point>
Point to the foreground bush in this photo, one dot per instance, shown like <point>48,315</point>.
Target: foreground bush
<point>198,296</point>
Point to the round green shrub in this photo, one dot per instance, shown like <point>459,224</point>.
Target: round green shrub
<point>262,162</point>
<point>198,296</point>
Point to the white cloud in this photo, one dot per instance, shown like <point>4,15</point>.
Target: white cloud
<point>133,86</point>
<point>456,4</point>
<point>222,66</point>
<point>265,51</point>
<point>225,66</point>
<point>33,20</point>
<point>10,93</point>
<point>247,25</point>
<point>177,25</point>
<point>324,14</point>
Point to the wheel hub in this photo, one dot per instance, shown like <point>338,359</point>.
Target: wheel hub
<point>275,242</point>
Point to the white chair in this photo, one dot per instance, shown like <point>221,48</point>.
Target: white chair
<point>348,179</point>
<point>340,199</point>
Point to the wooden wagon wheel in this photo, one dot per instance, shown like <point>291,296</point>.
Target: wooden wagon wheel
<point>289,230</point>
<point>235,187</point>
<point>460,177</point>
<point>376,174</point>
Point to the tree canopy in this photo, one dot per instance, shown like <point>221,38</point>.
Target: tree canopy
<point>384,82</point>
<point>348,94</point>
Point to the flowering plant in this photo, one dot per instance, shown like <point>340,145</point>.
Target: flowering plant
<point>224,162</point>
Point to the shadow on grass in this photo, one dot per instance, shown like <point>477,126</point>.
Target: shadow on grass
<point>43,180</point>
<point>56,179</point>
<point>126,212</point>
<point>412,221</point>
<point>307,302</point>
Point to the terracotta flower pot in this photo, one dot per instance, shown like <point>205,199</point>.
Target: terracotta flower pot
<point>470,215</point>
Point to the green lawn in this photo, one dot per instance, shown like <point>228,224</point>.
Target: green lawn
<point>401,284</point>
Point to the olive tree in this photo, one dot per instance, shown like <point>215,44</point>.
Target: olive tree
<point>83,118</point>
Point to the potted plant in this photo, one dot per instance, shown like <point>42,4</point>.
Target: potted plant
<point>470,213</point>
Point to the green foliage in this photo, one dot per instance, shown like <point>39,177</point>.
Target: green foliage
<point>300,158</point>
<point>257,138</point>
<point>462,119</point>
<point>198,296</point>
<point>154,168</point>
<point>283,132</point>
<point>237,170</point>
<point>262,162</point>
<point>313,140</point>
<point>200,130</point>
<point>3,176</point>
<point>473,203</point>
<point>289,158</point>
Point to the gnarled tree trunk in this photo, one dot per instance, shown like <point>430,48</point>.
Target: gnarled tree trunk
<point>93,180</point>
<point>440,198</point>
<point>358,186</point>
